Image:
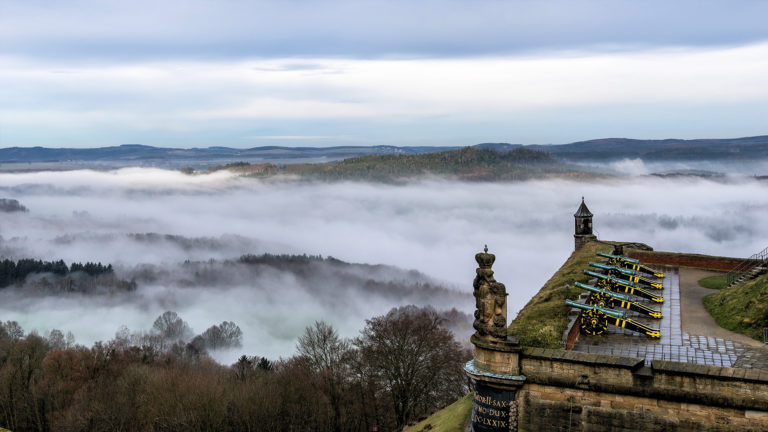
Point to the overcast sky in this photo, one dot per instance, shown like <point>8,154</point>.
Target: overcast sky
<point>242,74</point>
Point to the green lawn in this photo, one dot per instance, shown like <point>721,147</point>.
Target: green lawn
<point>714,282</point>
<point>452,418</point>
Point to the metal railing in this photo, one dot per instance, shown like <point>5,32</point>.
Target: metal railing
<point>747,265</point>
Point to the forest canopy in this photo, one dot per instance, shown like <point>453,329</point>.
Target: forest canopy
<point>156,381</point>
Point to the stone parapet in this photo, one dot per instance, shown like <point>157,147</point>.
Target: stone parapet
<point>717,386</point>
<point>550,408</point>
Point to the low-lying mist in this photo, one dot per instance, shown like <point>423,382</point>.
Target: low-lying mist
<point>146,218</point>
<point>271,297</point>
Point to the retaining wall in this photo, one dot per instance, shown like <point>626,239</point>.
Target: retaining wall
<point>685,260</point>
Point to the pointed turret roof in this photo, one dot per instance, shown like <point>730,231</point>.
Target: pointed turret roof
<point>583,211</point>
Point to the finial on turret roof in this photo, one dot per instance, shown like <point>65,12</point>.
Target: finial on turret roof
<point>583,211</point>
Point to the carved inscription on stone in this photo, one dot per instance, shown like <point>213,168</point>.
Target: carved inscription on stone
<point>492,409</point>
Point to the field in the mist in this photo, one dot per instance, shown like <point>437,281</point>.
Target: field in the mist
<point>434,227</point>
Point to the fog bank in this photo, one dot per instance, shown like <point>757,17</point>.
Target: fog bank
<point>144,216</point>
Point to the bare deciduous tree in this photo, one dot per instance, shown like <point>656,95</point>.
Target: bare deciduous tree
<point>414,358</point>
<point>225,335</point>
<point>231,334</point>
<point>172,327</point>
<point>326,354</point>
<point>12,330</point>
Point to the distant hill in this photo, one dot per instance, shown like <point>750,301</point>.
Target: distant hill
<point>605,149</point>
<point>469,163</point>
<point>660,150</point>
<point>137,152</point>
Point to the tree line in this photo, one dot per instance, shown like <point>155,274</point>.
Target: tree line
<point>469,163</point>
<point>401,367</point>
<point>12,272</point>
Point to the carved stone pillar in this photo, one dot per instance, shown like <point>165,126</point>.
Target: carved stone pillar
<point>495,368</point>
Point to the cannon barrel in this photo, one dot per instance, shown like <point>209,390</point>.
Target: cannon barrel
<point>621,257</point>
<point>616,319</point>
<point>626,286</point>
<point>622,301</point>
<point>608,312</point>
<point>610,267</point>
<point>611,278</point>
<point>631,263</point>
<point>633,275</point>
<point>598,290</point>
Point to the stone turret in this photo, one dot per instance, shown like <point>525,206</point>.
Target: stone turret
<point>583,230</point>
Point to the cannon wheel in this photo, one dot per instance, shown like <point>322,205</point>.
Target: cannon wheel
<point>593,322</point>
<point>598,299</point>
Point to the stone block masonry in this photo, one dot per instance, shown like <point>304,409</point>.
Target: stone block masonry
<point>742,389</point>
<point>575,391</point>
<point>550,408</point>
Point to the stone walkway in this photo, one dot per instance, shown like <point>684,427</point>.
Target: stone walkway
<point>712,346</point>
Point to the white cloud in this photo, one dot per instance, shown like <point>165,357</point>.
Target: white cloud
<point>226,98</point>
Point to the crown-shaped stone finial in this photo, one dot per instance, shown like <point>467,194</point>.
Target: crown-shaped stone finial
<point>484,259</point>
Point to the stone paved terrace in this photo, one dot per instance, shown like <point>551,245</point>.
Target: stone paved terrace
<point>711,345</point>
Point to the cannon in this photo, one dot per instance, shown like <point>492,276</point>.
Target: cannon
<point>595,320</point>
<point>602,298</point>
<point>620,285</point>
<point>631,275</point>
<point>630,263</point>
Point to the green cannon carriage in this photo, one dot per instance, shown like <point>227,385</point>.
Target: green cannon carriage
<point>605,298</point>
<point>630,263</point>
<point>595,320</point>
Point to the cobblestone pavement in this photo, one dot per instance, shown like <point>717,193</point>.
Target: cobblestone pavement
<point>674,344</point>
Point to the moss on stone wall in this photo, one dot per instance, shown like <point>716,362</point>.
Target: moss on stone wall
<point>543,320</point>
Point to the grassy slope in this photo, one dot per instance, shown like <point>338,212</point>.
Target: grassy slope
<point>543,320</point>
<point>452,418</point>
<point>742,308</point>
